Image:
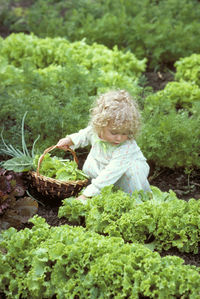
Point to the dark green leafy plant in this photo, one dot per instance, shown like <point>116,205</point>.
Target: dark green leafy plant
<point>52,78</point>
<point>169,117</point>
<point>162,31</point>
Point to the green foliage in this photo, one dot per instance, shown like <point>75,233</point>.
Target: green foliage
<point>41,53</point>
<point>18,164</point>
<point>49,103</point>
<point>66,262</point>
<point>4,12</point>
<point>53,167</point>
<point>106,208</point>
<point>169,117</point>
<point>96,207</point>
<point>21,160</point>
<point>52,79</point>
<point>158,217</point>
<point>73,210</point>
<point>171,224</point>
<point>188,69</point>
<point>57,168</point>
<point>162,31</point>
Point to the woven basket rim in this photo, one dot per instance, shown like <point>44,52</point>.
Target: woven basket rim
<point>52,180</point>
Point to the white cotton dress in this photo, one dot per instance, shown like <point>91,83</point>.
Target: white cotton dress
<point>123,166</point>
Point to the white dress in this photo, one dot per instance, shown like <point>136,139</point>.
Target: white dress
<point>106,164</point>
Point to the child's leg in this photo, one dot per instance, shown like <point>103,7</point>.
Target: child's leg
<point>135,178</point>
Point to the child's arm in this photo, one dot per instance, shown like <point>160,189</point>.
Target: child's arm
<point>65,143</point>
<point>76,140</point>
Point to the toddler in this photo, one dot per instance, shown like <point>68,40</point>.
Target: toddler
<point>114,158</point>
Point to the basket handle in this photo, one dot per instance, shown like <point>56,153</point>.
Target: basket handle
<point>50,149</point>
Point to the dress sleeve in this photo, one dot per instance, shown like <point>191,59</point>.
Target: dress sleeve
<point>81,138</point>
<point>117,166</point>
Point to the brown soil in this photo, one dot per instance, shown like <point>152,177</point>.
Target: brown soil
<point>158,80</point>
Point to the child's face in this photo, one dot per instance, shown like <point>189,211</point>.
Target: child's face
<point>113,136</point>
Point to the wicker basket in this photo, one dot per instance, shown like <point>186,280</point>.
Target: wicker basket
<point>51,187</point>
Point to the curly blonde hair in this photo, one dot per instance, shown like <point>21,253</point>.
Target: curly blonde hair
<point>117,109</point>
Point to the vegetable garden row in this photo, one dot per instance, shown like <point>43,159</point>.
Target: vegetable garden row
<point>112,257</point>
<point>110,247</point>
<point>50,78</point>
<point>160,30</point>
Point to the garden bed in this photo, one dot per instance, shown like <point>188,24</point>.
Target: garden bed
<point>166,180</point>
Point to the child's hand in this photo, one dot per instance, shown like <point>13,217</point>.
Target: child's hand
<point>82,199</point>
<point>64,143</point>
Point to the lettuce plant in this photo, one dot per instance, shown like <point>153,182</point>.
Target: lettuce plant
<point>69,262</point>
<point>158,219</point>
<point>188,69</point>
